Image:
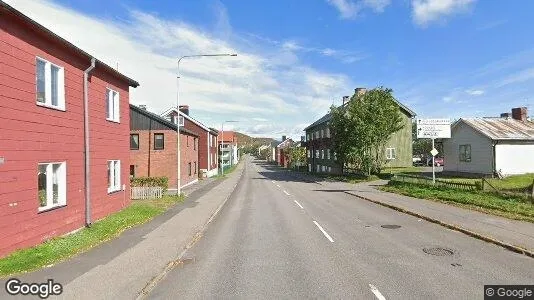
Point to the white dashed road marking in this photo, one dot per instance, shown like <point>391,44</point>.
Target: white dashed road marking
<point>286,193</point>
<point>298,204</point>
<point>324,232</point>
<point>377,293</point>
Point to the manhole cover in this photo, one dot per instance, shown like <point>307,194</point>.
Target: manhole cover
<point>438,251</point>
<point>391,226</point>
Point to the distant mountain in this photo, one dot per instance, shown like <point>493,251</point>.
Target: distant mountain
<point>243,139</point>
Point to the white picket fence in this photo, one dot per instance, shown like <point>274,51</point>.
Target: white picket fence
<point>146,192</point>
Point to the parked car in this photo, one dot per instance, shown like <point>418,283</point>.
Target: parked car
<point>417,161</point>
<point>438,162</point>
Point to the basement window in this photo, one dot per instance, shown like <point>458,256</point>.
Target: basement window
<point>51,185</point>
<point>465,153</point>
<point>134,141</point>
<point>50,84</point>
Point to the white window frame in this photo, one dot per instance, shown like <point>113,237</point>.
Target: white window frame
<point>48,85</point>
<point>318,168</point>
<point>316,153</point>
<point>309,153</point>
<point>322,133</point>
<point>113,106</point>
<point>391,153</point>
<point>328,153</point>
<point>114,183</point>
<point>62,185</point>
<point>309,167</point>
<point>335,156</point>
<point>328,132</point>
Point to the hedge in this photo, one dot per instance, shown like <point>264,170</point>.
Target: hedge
<point>150,181</point>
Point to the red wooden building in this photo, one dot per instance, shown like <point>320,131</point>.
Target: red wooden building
<point>207,155</point>
<point>282,152</point>
<point>63,152</point>
<point>153,149</point>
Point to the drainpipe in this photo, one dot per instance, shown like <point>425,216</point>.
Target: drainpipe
<point>86,142</point>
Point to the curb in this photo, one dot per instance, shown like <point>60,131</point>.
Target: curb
<point>468,232</point>
<point>194,239</point>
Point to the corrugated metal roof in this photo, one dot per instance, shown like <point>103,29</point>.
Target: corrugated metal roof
<point>502,128</point>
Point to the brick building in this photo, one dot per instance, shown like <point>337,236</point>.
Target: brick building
<point>207,155</point>
<point>153,149</point>
<point>56,176</point>
<point>229,154</point>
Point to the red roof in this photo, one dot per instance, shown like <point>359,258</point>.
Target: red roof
<point>229,137</point>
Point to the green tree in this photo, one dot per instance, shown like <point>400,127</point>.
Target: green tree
<point>297,155</point>
<point>361,128</point>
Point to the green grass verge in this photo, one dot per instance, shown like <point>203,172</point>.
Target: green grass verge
<point>60,248</point>
<point>403,170</point>
<point>510,207</point>
<point>349,178</point>
<point>227,171</point>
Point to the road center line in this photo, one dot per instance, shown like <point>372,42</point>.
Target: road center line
<point>298,204</point>
<point>324,232</point>
<point>377,293</point>
<point>286,193</point>
<point>278,185</point>
<point>273,181</point>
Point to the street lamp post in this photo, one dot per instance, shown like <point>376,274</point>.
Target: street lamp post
<point>222,142</point>
<point>178,181</point>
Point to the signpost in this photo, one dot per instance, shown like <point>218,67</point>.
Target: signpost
<point>433,129</point>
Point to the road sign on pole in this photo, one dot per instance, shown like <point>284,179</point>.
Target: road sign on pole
<point>433,129</point>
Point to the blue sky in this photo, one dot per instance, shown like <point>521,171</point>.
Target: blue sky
<point>442,58</point>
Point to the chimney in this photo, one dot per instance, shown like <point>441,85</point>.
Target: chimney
<point>283,138</point>
<point>184,109</point>
<point>142,106</point>
<point>345,99</point>
<point>359,91</point>
<point>505,115</point>
<point>520,114</point>
<point>302,138</point>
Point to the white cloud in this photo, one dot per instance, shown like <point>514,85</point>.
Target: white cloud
<point>349,9</point>
<point>146,49</point>
<point>447,99</point>
<point>518,77</point>
<point>475,92</point>
<point>427,11</point>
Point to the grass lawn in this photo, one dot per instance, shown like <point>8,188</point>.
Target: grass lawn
<point>509,183</point>
<point>350,178</point>
<point>227,170</point>
<point>61,248</point>
<point>510,207</point>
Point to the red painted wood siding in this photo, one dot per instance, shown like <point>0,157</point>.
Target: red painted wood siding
<point>30,134</point>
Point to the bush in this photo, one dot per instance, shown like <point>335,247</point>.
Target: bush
<point>151,181</point>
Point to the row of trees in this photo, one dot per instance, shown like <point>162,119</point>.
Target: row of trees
<point>361,128</point>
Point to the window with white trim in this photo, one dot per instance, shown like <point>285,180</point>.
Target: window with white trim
<point>327,132</point>
<point>51,185</point>
<point>335,156</point>
<point>328,153</point>
<point>391,153</point>
<point>322,133</point>
<point>322,154</point>
<point>114,175</point>
<point>112,105</point>
<point>316,153</point>
<point>318,168</point>
<point>50,84</point>
<point>309,153</point>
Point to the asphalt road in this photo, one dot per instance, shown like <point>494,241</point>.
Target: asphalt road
<point>282,237</point>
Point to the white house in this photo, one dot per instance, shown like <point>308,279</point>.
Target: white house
<point>486,146</point>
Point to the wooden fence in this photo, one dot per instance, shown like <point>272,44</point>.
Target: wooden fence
<point>428,181</point>
<point>146,192</point>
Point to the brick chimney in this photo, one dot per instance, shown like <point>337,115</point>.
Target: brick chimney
<point>184,109</point>
<point>283,138</point>
<point>345,99</point>
<point>520,114</point>
<point>359,91</point>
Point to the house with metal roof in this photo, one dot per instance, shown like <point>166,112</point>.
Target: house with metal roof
<point>489,146</point>
<point>320,154</point>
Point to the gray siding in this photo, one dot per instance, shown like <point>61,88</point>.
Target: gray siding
<point>481,151</point>
<point>139,121</point>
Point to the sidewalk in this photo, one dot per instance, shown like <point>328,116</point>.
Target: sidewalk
<point>122,268</point>
<point>508,233</point>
